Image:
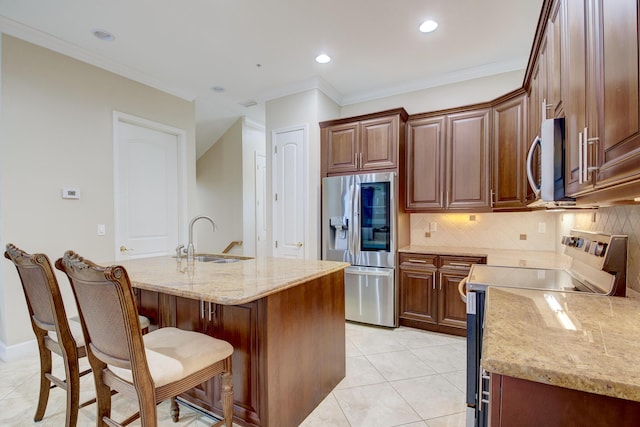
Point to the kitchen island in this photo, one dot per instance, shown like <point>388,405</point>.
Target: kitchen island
<point>284,318</point>
<point>560,359</point>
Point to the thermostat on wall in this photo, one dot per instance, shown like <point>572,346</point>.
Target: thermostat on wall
<point>70,193</point>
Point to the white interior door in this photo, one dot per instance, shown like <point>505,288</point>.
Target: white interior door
<point>289,183</point>
<point>261,205</point>
<point>148,188</point>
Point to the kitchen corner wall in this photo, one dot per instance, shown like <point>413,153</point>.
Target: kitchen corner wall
<point>535,231</point>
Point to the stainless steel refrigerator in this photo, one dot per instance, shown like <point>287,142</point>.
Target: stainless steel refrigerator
<point>359,223</point>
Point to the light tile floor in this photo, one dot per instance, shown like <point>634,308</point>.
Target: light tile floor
<point>395,377</point>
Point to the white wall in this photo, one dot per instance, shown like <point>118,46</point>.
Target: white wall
<point>56,132</point>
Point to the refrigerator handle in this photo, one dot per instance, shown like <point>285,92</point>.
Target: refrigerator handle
<point>356,220</point>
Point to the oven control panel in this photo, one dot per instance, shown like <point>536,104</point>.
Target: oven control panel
<point>591,246</point>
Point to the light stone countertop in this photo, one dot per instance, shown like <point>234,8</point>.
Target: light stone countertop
<point>501,257</point>
<point>227,283</point>
<point>528,336</point>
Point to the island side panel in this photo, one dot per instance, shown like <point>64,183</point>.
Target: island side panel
<point>306,347</point>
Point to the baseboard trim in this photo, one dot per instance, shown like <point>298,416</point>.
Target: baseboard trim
<point>17,351</point>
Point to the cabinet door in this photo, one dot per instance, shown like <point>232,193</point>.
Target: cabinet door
<point>425,164</point>
<point>509,186</point>
<point>616,54</point>
<point>555,53</point>
<point>451,310</point>
<point>239,325</point>
<point>468,160</point>
<point>418,295</point>
<point>379,144</point>
<point>342,147</point>
<point>148,305</point>
<point>574,77</point>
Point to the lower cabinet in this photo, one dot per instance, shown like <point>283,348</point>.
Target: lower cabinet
<point>233,323</point>
<point>522,403</point>
<point>429,297</point>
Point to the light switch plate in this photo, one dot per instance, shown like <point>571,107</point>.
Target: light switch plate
<point>101,229</point>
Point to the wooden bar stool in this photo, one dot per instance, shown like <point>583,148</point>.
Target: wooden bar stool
<point>154,367</point>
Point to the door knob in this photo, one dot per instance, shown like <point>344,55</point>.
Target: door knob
<point>124,249</point>
<point>299,244</point>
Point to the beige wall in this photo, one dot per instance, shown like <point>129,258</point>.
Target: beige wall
<point>448,96</point>
<point>226,189</point>
<point>219,192</point>
<point>56,131</point>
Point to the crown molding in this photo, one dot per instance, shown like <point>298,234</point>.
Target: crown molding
<point>450,78</point>
<point>37,37</point>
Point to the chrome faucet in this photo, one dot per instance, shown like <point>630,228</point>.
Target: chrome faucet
<point>190,248</point>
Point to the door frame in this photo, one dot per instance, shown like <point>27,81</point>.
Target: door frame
<point>274,183</point>
<point>181,136</point>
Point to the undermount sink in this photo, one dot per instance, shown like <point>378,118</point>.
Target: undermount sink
<point>216,259</point>
<point>220,259</point>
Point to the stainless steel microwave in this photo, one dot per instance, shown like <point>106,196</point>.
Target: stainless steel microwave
<point>548,183</point>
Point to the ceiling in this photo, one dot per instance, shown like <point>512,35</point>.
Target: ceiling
<point>263,49</point>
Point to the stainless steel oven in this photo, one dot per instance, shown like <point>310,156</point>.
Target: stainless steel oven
<point>598,267</point>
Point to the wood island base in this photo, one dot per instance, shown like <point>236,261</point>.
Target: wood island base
<point>289,347</point>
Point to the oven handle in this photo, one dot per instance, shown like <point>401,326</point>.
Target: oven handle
<point>462,289</point>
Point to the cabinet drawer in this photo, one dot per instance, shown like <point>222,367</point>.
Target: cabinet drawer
<point>460,262</point>
<point>413,260</point>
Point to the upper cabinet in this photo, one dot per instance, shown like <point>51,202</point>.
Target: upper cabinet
<point>584,67</point>
<point>509,189</point>
<point>448,161</point>
<point>363,144</point>
<point>615,126</point>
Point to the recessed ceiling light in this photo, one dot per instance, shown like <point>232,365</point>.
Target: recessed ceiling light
<point>428,26</point>
<point>104,35</point>
<point>323,58</point>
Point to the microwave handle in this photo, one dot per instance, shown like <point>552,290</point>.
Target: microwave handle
<point>532,182</point>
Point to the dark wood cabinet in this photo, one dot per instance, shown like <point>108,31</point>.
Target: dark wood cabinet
<point>467,167</point>
<point>585,62</point>
<point>236,324</point>
<point>364,143</point>
<point>574,77</point>
<point>614,64</point>
<point>509,187</point>
<point>289,343</point>
<point>418,296</point>
<point>522,403</point>
<point>448,161</point>
<point>425,164</point>
<point>428,289</point>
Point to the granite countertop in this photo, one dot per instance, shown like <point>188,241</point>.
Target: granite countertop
<point>226,283</point>
<point>502,257</point>
<point>583,342</point>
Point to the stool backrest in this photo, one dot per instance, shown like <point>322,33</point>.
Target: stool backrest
<point>42,292</point>
<point>108,312</point>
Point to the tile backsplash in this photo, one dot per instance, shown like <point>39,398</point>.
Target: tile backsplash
<point>504,230</point>
<point>537,230</point>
